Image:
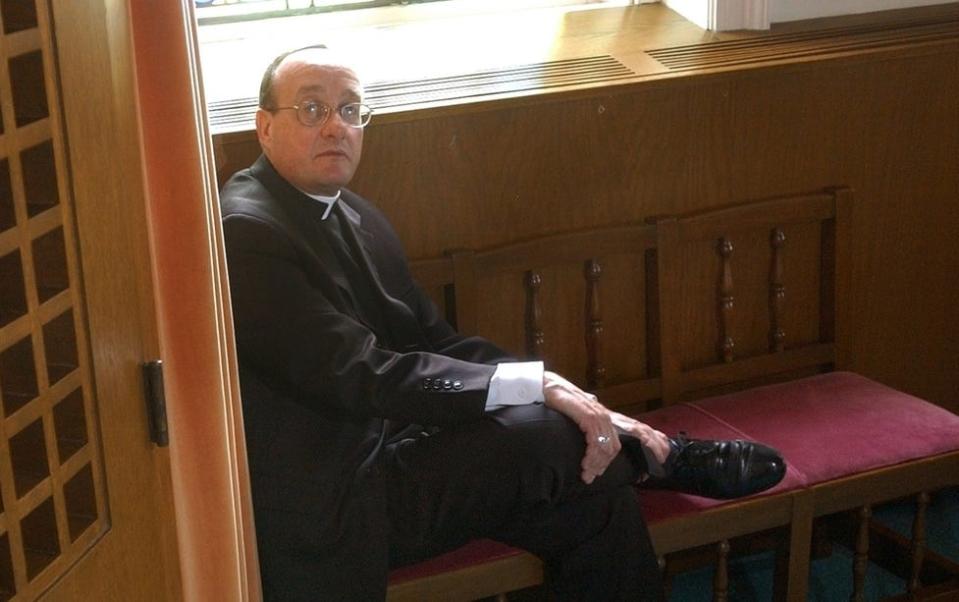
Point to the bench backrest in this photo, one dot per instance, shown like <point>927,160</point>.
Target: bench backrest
<point>746,293</point>
<point>677,308</point>
<point>547,298</point>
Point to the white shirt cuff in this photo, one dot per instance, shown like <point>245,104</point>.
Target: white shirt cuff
<point>514,384</point>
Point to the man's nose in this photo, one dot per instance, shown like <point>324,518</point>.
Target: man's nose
<point>334,125</point>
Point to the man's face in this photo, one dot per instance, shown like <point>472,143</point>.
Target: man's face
<point>318,159</point>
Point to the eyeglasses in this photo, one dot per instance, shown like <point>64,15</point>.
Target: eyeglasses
<point>311,113</point>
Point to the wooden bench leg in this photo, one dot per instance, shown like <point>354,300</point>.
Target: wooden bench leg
<point>800,546</point>
<point>918,541</point>
<point>861,558</point>
<point>721,576</point>
<point>667,578</point>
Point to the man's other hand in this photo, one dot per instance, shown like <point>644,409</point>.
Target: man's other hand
<point>602,442</point>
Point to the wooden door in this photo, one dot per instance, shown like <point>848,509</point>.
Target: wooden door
<point>86,510</point>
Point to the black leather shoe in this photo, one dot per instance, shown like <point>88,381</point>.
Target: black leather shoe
<point>720,469</point>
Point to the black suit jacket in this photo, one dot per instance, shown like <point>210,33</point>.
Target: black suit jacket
<point>329,375</point>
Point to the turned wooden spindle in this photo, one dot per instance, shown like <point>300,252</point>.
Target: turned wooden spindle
<point>777,292</point>
<point>861,558</point>
<point>595,371</point>
<point>667,578</point>
<point>721,576</point>
<point>726,343</point>
<point>534,333</point>
<point>918,541</point>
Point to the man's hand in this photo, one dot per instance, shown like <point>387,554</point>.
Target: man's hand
<point>655,441</point>
<point>602,442</point>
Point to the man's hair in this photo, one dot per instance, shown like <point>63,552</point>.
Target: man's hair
<point>267,101</point>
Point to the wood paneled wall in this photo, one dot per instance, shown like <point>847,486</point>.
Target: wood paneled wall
<point>886,124</point>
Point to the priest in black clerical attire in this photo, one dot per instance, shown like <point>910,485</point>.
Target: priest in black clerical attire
<point>377,436</point>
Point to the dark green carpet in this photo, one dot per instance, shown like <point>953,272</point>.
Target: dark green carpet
<point>751,578</point>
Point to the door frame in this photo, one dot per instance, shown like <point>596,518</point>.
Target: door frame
<point>214,517</point>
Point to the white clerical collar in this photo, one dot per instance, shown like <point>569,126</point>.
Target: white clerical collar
<point>329,201</point>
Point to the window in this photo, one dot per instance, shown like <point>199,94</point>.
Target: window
<point>225,11</point>
<point>399,45</point>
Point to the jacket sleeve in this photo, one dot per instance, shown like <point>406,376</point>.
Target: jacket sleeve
<point>287,328</point>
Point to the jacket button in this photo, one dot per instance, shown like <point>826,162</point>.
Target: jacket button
<point>457,385</point>
<point>447,384</point>
<point>437,385</point>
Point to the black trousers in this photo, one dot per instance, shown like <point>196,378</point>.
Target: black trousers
<point>515,477</point>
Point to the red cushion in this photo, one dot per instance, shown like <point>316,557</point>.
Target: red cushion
<point>475,552</point>
<point>826,426</point>
<point>659,505</point>
<point>837,424</point>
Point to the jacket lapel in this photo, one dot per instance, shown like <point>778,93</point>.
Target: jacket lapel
<point>304,216</point>
<point>400,319</point>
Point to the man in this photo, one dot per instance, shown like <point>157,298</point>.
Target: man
<point>378,436</point>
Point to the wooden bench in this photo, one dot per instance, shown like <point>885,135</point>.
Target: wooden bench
<point>725,324</point>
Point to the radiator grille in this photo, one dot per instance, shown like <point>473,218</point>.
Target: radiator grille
<point>231,115</point>
<point>820,43</point>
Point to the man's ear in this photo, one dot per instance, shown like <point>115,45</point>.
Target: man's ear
<point>264,127</point>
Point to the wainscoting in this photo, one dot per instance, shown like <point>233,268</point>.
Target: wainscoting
<point>872,103</point>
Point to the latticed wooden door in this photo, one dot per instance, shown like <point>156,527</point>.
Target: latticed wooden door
<point>79,481</point>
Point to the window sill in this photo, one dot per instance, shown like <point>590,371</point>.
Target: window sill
<point>412,55</point>
<point>233,56</point>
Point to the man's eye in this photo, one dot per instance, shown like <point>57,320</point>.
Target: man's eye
<point>311,108</point>
<point>348,111</point>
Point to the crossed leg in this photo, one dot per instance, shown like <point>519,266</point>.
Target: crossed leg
<point>515,477</point>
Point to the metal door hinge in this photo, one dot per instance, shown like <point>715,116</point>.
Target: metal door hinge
<point>156,402</point>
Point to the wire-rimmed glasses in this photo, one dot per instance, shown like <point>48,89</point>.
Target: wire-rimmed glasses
<point>312,113</point>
